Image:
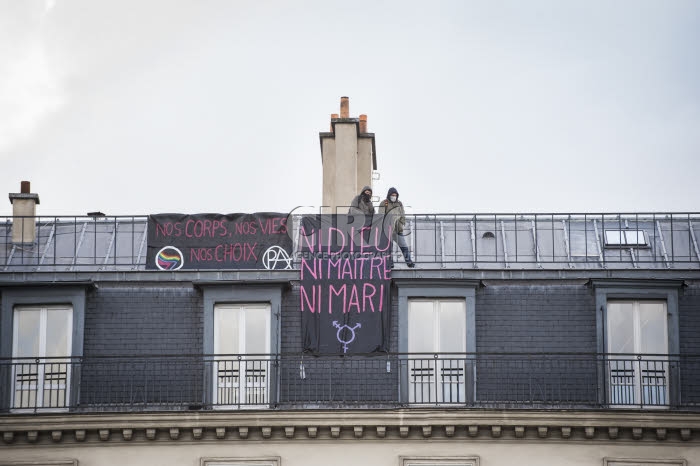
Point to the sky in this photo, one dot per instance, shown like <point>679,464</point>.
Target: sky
<point>133,107</point>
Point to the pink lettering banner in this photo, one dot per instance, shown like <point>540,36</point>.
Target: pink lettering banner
<point>215,241</point>
<point>345,275</point>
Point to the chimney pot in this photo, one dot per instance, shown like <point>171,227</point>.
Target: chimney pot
<point>363,124</point>
<point>344,107</point>
<point>334,116</point>
<point>25,187</point>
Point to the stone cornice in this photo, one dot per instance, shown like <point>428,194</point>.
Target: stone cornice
<point>353,424</point>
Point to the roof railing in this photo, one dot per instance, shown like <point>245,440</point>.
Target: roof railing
<point>463,240</point>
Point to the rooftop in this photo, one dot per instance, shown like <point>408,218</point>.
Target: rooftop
<point>515,241</point>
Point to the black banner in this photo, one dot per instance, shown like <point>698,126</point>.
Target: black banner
<point>345,276</point>
<point>214,241</point>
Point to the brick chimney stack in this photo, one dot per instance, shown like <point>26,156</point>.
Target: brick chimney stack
<point>23,214</point>
<point>348,155</point>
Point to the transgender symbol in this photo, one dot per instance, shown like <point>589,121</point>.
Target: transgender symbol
<point>275,254</point>
<point>352,331</point>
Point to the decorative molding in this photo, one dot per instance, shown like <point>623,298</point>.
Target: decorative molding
<point>419,282</point>
<point>636,283</point>
<point>609,425</point>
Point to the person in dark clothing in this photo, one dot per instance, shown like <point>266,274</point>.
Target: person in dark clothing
<point>395,216</point>
<point>362,203</point>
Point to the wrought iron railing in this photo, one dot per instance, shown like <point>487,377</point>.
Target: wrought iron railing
<point>607,240</point>
<point>480,380</point>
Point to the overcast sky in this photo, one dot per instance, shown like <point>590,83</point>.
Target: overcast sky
<point>137,107</point>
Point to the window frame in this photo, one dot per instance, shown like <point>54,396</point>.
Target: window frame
<point>73,294</point>
<point>242,364</point>
<point>222,461</point>
<point>632,373</point>
<point>237,293</point>
<point>67,462</point>
<point>643,462</point>
<point>624,242</point>
<point>44,310</point>
<point>447,289</point>
<point>638,290</point>
<point>439,460</point>
<point>438,376</point>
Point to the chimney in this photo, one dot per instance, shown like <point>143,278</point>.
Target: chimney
<point>23,214</point>
<point>348,155</point>
<point>345,107</point>
<point>363,124</point>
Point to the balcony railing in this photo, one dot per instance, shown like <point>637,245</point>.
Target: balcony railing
<point>502,241</point>
<point>269,381</point>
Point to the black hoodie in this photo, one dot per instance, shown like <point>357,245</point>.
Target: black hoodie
<point>360,205</point>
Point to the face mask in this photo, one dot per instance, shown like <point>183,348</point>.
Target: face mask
<point>366,197</point>
<point>393,198</point>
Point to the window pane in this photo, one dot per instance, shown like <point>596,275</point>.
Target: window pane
<point>652,323</point>
<point>613,237</point>
<point>620,327</point>
<point>453,335</point>
<point>226,326</point>
<point>28,332</point>
<point>57,332</point>
<point>421,327</point>
<point>256,330</point>
<point>635,237</point>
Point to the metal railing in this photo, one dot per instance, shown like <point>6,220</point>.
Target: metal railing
<point>601,240</point>
<point>73,243</point>
<point>502,240</point>
<point>473,380</point>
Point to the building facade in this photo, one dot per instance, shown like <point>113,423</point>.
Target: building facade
<point>523,339</point>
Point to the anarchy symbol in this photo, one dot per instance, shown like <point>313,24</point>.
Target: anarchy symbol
<point>352,331</point>
<point>275,254</point>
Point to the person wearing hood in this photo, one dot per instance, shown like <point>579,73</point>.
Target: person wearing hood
<point>362,203</point>
<point>392,208</point>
